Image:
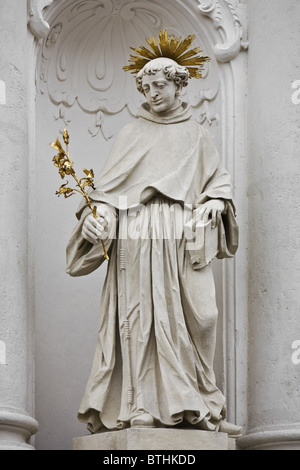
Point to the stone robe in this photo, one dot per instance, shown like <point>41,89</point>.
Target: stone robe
<point>158,314</point>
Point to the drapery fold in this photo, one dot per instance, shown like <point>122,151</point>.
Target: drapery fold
<point>162,172</point>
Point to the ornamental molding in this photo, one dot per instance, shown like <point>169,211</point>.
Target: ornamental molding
<point>226,20</point>
<point>87,42</point>
<point>84,44</point>
<point>36,21</point>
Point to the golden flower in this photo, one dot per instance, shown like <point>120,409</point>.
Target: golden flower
<point>68,167</point>
<point>89,173</point>
<point>66,137</point>
<point>66,192</point>
<point>57,146</point>
<point>65,167</point>
<point>62,172</point>
<point>59,159</point>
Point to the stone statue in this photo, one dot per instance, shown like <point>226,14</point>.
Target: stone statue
<point>153,365</point>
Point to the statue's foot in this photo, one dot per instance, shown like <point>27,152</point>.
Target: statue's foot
<point>144,420</point>
<point>231,429</point>
<point>205,425</point>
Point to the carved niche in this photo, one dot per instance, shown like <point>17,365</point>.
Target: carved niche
<point>88,42</point>
<point>82,47</point>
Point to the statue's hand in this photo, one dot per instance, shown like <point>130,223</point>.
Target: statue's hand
<point>95,230</point>
<point>211,209</point>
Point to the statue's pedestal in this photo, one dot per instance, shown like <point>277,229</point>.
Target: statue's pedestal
<point>155,439</point>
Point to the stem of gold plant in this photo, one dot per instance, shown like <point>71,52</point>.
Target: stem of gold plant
<point>82,191</point>
<point>88,202</point>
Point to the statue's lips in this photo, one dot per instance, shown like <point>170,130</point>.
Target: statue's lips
<point>156,103</point>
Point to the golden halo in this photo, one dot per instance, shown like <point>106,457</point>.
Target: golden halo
<point>170,47</point>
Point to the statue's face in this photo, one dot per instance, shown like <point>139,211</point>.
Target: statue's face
<point>161,94</point>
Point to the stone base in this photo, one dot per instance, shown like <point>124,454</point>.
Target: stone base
<point>155,439</point>
<point>16,429</point>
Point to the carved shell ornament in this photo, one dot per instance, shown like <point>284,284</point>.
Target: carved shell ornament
<point>88,42</point>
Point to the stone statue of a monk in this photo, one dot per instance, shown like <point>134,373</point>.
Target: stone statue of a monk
<point>153,364</point>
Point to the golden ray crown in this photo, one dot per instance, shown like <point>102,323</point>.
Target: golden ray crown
<point>170,47</point>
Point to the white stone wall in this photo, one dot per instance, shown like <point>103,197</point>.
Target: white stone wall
<point>16,377</point>
<point>274,223</point>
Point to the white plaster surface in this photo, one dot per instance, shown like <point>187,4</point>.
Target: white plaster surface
<point>13,236</point>
<point>15,424</point>
<point>274,204</point>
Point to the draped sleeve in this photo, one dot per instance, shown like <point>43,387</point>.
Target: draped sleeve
<point>216,181</point>
<point>82,256</point>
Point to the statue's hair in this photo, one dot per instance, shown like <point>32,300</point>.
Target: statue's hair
<point>172,70</point>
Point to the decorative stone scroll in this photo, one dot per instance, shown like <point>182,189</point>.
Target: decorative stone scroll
<point>36,22</point>
<point>225,18</point>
